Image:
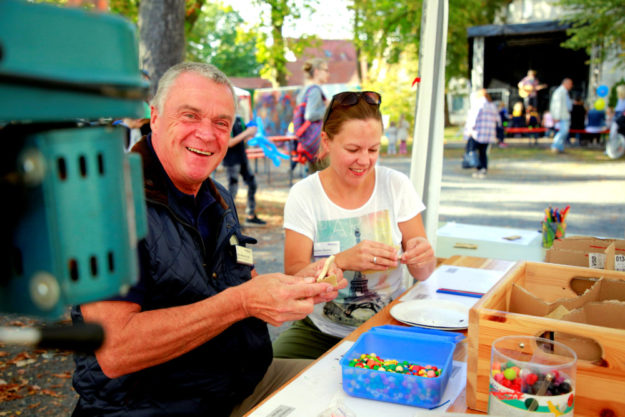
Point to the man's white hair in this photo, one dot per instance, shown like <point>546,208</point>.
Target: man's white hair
<point>171,75</point>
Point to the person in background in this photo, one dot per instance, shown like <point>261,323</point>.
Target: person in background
<point>190,337</point>
<point>391,135</point>
<point>136,128</point>
<point>547,122</point>
<point>532,119</point>
<point>560,108</point>
<point>578,119</point>
<point>481,129</point>
<point>368,216</point>
<point>236,164</point>
<point>617,124</point>
<point>402,135</point>
<point>528,89</point>
<point>503,122</point>
<point>620,103</point>
<point>518,115</point>
<point>609,116</point>
<point>596,122</point>
<point>309,111</point>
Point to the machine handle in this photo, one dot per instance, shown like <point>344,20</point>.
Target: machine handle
<point>85,337</point>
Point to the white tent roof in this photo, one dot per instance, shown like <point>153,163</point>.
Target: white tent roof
<point>241,92</point>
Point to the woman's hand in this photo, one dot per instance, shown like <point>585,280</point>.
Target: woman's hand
<point>368,256</point>
<point>419,257</point>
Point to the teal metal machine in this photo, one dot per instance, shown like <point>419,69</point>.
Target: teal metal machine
<point>74,197</point>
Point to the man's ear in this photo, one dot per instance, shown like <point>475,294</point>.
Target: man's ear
<point>153,116</point>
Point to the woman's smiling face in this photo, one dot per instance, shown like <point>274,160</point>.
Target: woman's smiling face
<point>354,150</point>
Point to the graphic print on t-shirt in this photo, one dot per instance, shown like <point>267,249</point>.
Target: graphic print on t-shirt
<point>368,291</point>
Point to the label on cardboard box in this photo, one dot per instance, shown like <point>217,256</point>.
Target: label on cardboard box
<point>596,260</point>
<point>619,262</point>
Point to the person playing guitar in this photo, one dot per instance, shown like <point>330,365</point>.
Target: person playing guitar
<point>528,87</point>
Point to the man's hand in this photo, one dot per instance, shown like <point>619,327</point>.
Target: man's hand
<point>314,269</point>
<point>277,298</point>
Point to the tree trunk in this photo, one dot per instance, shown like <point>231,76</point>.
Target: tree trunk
<point>279,59</point>
<point>161,34</point>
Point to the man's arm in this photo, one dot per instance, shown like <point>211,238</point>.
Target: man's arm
<point>247,134</point>
<point>136,339</point>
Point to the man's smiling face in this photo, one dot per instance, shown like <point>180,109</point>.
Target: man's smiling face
<point>191,132</point>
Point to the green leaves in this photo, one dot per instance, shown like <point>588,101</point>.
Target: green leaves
<point>218,36</point>
<point>598,23</point>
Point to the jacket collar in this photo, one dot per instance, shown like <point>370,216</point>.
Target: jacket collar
<point>155,178</point>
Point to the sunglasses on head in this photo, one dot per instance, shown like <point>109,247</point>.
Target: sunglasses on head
<point>351,98</point>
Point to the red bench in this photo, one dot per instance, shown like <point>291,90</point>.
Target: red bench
<point>526,131</point>
<point>585,132</point>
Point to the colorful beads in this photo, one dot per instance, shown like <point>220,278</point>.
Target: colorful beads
<point>530,382</point>
<point>372,361</point>
<point>510,374</point>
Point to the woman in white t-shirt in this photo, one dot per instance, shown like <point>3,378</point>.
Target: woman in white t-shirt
<point>368,216</point>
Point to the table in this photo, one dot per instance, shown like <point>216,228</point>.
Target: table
<point>506,243</point>
<point>292,146</point>
<point>384,317</point>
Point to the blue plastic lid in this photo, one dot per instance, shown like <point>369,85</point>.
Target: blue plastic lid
<point>419,332</point>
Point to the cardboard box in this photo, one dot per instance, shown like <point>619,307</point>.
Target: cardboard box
<point>589,252</point>
<point>414,345</point>
<point>517,305</point>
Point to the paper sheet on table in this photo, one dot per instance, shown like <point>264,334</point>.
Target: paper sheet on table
<point>455,278</point>
<point>487,233</point>
<point>321,386</point>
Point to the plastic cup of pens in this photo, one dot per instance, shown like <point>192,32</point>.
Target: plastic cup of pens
<point>554,225</point>
<point>531,376</point>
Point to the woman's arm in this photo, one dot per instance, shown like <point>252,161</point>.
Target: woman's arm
<point>418,253</point>
<point>297,251</point>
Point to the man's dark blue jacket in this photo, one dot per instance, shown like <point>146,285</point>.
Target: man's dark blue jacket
<point>178,268</point>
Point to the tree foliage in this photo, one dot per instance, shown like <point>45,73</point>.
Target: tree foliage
<point>598,23</point>
<point>394,82</point>
<point>218,36</point>
<point>384,28</point>
<point>389,32</point>
<point>272,47</point>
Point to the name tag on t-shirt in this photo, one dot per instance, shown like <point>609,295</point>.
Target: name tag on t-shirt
<point>244,255</point>
<point>325,249</point>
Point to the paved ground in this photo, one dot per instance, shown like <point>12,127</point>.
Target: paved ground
<point>515,194</point>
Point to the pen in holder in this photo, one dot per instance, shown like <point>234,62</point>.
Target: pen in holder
<point>554,225</point>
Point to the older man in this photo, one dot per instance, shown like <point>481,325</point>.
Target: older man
<point>191,337</point>
<point>560,109</point>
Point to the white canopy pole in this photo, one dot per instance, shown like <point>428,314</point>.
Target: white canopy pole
<point>426,167</point>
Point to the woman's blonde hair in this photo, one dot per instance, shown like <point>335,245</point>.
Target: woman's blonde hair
<point>313,64</point>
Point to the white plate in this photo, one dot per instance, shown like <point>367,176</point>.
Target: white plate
<point>435,314</point>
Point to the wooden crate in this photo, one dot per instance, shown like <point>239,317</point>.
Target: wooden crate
<point>600,385</point>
